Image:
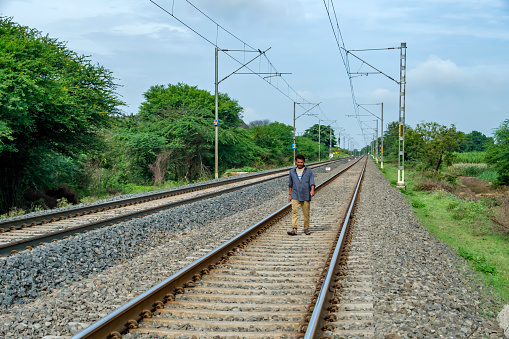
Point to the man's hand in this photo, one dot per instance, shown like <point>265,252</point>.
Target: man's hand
<point>290,198</point>
<point>312,191</point>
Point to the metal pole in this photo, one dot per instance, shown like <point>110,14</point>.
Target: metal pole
<point>382,153</point>
<point>217,119</point>
<point>401,142</point>
<point>330,141</point>
<point>294,140</point>
<point>339,144</point>
<point>376,141</point>
<point>318,139</point>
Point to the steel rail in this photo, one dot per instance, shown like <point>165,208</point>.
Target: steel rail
<point>22,244</point>
<point>28,243</point>
<point>6,225</point>
<point>130,313</point>
<point>317,320</point>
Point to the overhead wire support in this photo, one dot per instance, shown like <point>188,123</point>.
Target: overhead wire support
<point>360,74</point>
<point>374,49</point>
<point>243,65</point>
<point>382,126</point>
<point>289,88</point>
<point>360,105</point>
<point>376,69</point>
<point>401,83</point>
<point>305,113</point>
<point>295,118</point>
<point>402,100</point>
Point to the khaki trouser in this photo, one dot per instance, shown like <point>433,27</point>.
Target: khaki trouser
<point>305,205</point>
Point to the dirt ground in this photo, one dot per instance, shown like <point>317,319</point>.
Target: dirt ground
<point>475,188</point>
<point>471,188</point>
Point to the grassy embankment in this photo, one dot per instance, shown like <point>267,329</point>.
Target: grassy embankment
<point>467,227</point>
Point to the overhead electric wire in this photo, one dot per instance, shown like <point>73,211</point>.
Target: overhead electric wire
<point>298,97</point>
<point>341,47</point>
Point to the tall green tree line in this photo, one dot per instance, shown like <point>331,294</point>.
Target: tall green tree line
<point>52,103</point>
<point>432,145</point>
<point>498,153</point>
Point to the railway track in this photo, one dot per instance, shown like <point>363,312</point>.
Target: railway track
<point>26,233</point>
<point>260,284</point>
<point>350,308</point>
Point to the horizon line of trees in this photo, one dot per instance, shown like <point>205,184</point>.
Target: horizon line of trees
<point>61,128</point>
<point>433,145</point>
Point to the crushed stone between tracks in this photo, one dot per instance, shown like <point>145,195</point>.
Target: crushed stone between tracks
<point>420,287</point>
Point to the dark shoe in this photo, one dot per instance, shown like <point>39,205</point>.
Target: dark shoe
<point>292,232</point>
<point>307,232</point>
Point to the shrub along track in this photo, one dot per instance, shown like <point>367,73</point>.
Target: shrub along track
<point>26,233</point>
<point>262,283</point>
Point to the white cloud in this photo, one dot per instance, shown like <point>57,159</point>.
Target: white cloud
<point>438,73</point>
<point>54,11</point>
<point>244,11</point>
<point>249,114</point>
<point>155,30</point>
<point>307,95</point>
<point>381,94</point>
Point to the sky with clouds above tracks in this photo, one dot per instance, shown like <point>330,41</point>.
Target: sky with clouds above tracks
<point>457,55</point>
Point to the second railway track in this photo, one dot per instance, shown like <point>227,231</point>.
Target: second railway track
<point>26,233</point>
<point>265,287</point>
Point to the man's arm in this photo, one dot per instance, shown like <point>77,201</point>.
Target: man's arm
<point>290,185</point>
<point>312,183</point>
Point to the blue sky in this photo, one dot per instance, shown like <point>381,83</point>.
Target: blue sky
<point>457,56</point>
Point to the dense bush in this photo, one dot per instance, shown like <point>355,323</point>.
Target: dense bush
<point>53,102</point>
<point>474,157</point>
<point>498,154</point>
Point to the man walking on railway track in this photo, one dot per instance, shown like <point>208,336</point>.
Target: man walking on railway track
<point>302,188</point>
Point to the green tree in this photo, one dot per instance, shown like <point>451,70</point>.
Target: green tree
<point>391,137</point>
<point>433,143</point>
<point>498,154</point>
<point>274,140</point>
<point>141,149</point>
<point>51,101</point>
<point>307,147</point>
<point>475,141</point>
<point>325,132</point>
<point>183,98</point>
<point>183,115</point>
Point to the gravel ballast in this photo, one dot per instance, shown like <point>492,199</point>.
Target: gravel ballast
<point>71,283</point>
<point>420,287</point>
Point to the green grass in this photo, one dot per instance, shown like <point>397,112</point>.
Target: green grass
<point>474,157</point>
<point>133,188</point>
<point>479,170</point>
<point>488,175</point>
<point>13,212</point>
<point>467,228</point>
<point>243,169</point>
<point>391,173</point>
